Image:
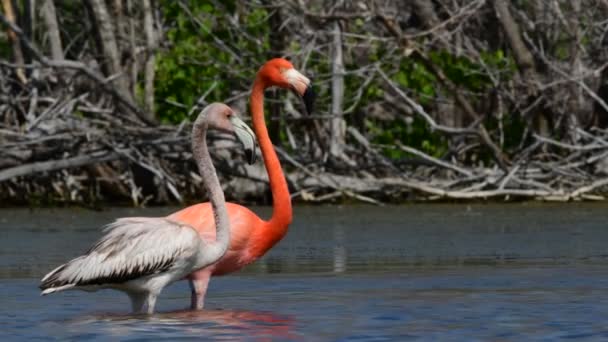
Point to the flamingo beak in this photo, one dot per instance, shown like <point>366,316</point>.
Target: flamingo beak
<point>302,86</point>
<point>245,135</point>
<point>309,98</point>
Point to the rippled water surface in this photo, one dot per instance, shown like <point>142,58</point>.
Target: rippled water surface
<point>418,272</point>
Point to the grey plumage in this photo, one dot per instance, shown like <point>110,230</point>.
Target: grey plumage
<point>131,248</point>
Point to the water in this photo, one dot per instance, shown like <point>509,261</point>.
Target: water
<point>355,273</point>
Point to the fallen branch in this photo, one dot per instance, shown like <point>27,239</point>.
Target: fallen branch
<point>74,65</point>
<point>54,165</point>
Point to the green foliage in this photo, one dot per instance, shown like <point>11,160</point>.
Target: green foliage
<point>194,61</point>
<point>415,133</point>
<point>414,76</point>
<point>202,42</point>
<point>5,48</point>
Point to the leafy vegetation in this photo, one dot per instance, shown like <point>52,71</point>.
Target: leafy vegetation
<point>194,62</point>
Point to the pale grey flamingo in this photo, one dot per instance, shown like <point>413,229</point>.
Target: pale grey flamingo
<point>141,255</point>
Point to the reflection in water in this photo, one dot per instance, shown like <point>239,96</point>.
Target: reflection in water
<point>206,323</point>
<point>339,249</point>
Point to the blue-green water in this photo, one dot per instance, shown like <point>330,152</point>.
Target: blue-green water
<point>419,272</point>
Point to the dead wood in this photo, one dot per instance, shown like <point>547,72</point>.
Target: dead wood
<point>72,131</point>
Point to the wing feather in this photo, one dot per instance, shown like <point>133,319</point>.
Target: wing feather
<point>131,248</point>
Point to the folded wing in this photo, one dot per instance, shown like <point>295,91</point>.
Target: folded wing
<point>131,248</point>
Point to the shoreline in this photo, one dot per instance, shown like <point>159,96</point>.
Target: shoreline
<point>105,205</point>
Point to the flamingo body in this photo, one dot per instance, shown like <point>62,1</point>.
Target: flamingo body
<point>138,255</point>
<point>250,236</point>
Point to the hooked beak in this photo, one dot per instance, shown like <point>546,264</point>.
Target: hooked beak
<point>302,86</point>
<point>245,135</point>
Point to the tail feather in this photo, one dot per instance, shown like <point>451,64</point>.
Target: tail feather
<point>56,289</point>
<point>51,282</point>
<point>53,272</point>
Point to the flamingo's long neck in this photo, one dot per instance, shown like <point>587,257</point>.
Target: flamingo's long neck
<point>214,250</point>
<point>281,201</point>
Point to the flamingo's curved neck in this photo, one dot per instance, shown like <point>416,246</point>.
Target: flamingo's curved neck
<point>214,250</point>
<point>281,201</point>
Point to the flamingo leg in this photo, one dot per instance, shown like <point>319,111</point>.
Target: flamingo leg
<point>151,302</point>
<point>199,282</point>
<point>137,301</point>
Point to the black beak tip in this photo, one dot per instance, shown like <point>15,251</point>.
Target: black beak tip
<point>309,99</point>
<point>250,155</point>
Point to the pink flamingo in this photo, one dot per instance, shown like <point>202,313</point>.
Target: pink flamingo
<point>141,255</point>
<point>250,236</point>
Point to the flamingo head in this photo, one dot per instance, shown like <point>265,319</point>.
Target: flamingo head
<point>221,117</point>
<point>281,73</point>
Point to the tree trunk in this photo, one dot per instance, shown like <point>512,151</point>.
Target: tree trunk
<point>132,30</point>
<point>105,30</point>
<point>337,124</point>
<point>579,110</point>
<point>109,46</point>
<point>150,57</point>
<point>27,21</point>
<point>525,64</point>
<point>522,55</point>
<point>600,114</point>
<point>18,58</point>
<point>50,20</point>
